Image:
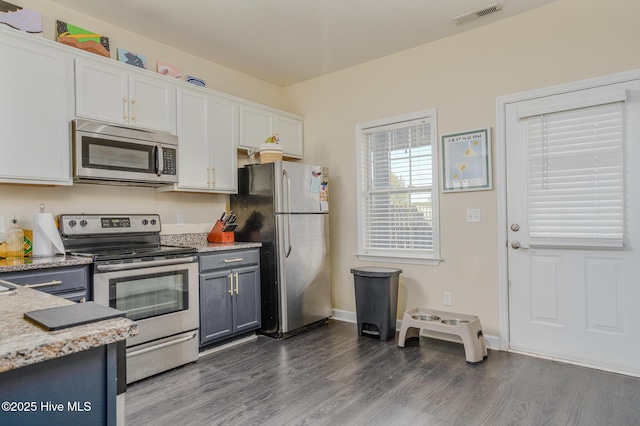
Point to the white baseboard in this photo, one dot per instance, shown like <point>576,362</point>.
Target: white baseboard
<point>493,342</point>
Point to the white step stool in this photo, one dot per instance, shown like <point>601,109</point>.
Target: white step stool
<point>467,327</point>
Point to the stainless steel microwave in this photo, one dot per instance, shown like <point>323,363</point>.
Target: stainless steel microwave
<point>110,154</point>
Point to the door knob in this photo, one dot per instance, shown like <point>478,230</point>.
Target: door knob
<point>515,245</point>
<point>515,227</point>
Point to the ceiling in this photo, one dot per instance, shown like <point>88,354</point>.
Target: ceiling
<point>288,41</point>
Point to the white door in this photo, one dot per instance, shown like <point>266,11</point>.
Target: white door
<point>574,296</point>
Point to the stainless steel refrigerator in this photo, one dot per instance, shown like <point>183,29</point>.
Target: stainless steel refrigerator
<point>285,206</point>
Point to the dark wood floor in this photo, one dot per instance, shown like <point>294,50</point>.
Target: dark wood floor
<point>330,376</point>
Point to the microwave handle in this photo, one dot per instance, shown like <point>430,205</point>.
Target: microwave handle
<point>159,160</point>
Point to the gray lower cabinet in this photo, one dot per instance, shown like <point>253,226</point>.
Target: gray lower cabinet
<point>76,389</point>
<point>72,283</point>
<point>229,294</point>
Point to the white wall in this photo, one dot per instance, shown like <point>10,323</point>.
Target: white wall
<point>460,76</point>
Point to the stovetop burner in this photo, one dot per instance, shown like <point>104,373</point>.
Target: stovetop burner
<point>133,252</point>
<point>116,237</point>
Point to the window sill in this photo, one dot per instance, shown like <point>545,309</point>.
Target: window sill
<point>408,260</point>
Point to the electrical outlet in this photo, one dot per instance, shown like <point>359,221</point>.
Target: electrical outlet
<point>447,298</point>
<point>473,215</point>
<point>180,220</point>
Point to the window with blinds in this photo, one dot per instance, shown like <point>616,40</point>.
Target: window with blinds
<point>576,177</point>
<point>396,180</point>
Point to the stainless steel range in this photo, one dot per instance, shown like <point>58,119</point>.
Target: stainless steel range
<point>155,284</point>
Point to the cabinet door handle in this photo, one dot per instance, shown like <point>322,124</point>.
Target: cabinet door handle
<point>54,282</point>
<point>236,283</point>
<point>213,176</point>
<point>126,109</point>
<point>208,177</point>
<point>231,284</point>
<point>134,110</point>
<point>237,259</point>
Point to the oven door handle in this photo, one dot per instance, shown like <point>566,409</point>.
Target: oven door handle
<point>161,345</point>
<point>145,264</point>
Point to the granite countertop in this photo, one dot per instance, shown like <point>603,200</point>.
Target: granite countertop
<point>31,263</point>
<point>199,241</point>
<point>23,343</point>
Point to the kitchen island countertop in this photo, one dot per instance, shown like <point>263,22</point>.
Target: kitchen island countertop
<point>31,263</point>
<point>23,343</point>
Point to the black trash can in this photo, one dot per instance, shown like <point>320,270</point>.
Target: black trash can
<point>376,300</point>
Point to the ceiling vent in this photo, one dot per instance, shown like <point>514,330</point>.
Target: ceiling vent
<point>471,16</point>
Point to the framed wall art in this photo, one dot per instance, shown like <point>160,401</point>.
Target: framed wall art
<point>82,39</point>
<point>466,161</point>
<point>169,70</point>
<point>131,58</point>
<point>20,18</point>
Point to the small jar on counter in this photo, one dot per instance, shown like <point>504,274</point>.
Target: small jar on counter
<point>15,241</point>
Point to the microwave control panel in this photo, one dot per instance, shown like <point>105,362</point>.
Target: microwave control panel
<point>169,161</point>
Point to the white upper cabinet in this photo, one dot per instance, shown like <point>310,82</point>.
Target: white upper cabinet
<point>224,132</point>
<point>46,85</point>
<point>207,143</point>
<point>36,109</point>
<point>290,131</point>
<point>110,92</point>
<point>257,123</point>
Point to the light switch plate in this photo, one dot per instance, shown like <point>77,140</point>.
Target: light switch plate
<point>446,300</point>
<point>180,220</point>
<point>473,215</point>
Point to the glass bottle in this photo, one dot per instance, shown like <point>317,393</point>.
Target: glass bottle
<point>15,241</point>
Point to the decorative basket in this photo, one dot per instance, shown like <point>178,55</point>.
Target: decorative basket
<point>270,152</point>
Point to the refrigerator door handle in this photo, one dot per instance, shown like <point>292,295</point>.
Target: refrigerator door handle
<point>286,180</point>
<point>288,236</point>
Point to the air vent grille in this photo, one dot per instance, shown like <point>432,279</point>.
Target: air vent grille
<point>471,16</point>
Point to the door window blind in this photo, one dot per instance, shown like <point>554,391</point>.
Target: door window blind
<point>396,178</point>
<point>575,177</point>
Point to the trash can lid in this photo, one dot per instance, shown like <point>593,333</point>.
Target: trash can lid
<point>373,271</point>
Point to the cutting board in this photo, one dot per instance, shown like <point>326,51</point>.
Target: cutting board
<point>67,316</point>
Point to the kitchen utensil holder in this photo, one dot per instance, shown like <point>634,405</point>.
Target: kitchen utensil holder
<point>217,236</point>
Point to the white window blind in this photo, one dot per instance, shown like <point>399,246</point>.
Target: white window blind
<point>575,177</point>
<point>396,188</point>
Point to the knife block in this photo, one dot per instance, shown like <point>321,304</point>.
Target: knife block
<point>217,236</point>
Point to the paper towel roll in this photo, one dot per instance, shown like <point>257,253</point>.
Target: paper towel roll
<point>45,236</point>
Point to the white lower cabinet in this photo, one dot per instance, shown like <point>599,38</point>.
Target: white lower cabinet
<point>207,138</point>
<point>36,109</point>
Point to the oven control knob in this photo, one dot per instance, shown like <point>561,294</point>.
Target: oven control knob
<point>72,223</point>
<point>145,222</point>
<point>153,221</point>
<point>83,223</point>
